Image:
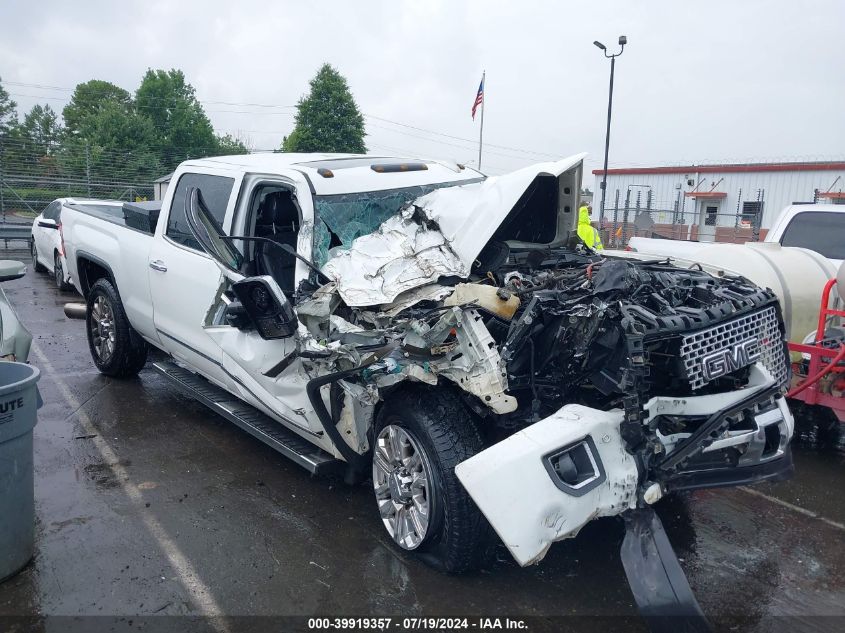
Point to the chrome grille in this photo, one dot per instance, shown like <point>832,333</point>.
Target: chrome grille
<point>763,325</point>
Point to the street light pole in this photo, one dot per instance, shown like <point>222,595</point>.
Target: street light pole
<point>622,41</point>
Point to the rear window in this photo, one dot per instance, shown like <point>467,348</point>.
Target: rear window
<point>215,191</point>
<point>819,231</point>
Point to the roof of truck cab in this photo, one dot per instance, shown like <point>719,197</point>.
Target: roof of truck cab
<point>347,173</point>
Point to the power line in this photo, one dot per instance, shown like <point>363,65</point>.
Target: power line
<point>147,107</point>
<point>64,89</point>
<point>459,138</point>
<point>277,106</point>
<point>431,140</point>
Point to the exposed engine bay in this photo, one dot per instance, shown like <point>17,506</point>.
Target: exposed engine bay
<point>533,331</point>
<point>484,288</point>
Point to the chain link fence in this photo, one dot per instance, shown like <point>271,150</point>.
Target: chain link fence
<point>25,196</point>
<point>34,173</point>
<point>635,213</point>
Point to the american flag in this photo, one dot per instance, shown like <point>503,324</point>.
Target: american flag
<point>479,98</point>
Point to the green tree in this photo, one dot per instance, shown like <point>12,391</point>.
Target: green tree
<point>327,119</point>
<point>228,144</point>
<point>8,111</point>
<point>30,145</point>
<point>114,143</point>
<point>41,127</point>
<point>88,99</point>
<point>181,125</point>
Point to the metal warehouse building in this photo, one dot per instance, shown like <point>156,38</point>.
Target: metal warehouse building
<point>730,202</point>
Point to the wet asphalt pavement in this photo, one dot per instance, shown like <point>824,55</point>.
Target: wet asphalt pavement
<point>147,504</point>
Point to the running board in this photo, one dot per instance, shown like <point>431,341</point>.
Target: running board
<point>256,423</point>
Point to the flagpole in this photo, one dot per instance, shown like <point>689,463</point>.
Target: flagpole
<point>481,130</point>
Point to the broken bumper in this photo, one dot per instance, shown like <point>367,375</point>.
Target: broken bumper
<point>529,503</point>
<point>544,483</point>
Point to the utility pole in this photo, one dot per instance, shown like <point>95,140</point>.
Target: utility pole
<point>622,41</point>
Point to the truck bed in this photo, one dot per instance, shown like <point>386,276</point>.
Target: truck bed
<point>105,240</point>
<point>139,216</point>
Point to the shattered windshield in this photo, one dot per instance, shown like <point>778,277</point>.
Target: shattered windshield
<point>341,218</point>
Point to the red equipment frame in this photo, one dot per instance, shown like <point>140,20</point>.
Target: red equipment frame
<point>808,391</point>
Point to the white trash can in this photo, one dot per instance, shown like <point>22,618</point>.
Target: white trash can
<point>19,402</point>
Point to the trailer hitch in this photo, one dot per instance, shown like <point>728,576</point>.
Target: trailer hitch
<point>661,590</point>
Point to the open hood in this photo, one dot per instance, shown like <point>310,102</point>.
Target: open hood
<point>443,232</point>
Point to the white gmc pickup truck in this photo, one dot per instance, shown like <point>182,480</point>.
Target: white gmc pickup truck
<point>448,336</point>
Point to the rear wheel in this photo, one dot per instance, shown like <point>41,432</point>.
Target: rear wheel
<point>420,436</point>
<point>59,273</point>
<point>116,348</point>
<point>36,266</point>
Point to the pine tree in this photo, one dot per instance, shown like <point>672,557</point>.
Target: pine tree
<point>8,111</point>
<point>327,119</point>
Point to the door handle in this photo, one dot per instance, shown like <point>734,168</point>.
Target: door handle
<point>158,265</point>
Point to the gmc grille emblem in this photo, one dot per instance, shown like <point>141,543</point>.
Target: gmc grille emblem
<point>729,359</point>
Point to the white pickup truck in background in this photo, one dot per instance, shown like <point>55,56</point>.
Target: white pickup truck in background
<point>449,336</point>
<point>818,227</point>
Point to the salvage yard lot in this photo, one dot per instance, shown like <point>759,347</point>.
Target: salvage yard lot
<point>148,504</point>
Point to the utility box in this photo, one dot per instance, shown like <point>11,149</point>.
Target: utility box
<point>19,402</point>
<point>142,216</point>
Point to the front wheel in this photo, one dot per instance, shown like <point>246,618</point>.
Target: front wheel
<point>36,265</point>
<point>420,436</point>
<point>59,273</point>
<point>116,348</point>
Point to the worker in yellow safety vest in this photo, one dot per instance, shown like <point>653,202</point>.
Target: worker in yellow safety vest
<point>588,234</point>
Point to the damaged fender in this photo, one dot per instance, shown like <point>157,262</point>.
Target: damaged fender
<point>544,483</point>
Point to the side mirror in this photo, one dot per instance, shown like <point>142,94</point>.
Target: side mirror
<point>267,307</point>
<point>48,224</point>
<point>11,269</point>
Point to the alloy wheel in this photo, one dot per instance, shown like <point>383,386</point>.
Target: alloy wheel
<point>101,324</point>
<point>404,486</point>
<point>58,272</point>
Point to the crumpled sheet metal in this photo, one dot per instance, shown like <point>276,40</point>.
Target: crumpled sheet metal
<point>399,256</point>
<point>402,254</point>
<point>469,215</point>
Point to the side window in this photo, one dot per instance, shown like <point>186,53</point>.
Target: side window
<point>52,211</point>
<point>215,191</point>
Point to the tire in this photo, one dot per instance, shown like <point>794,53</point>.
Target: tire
<point>59,273</point>
<point>36,265</point>
<point>438,426</point>
<point>117,349</point>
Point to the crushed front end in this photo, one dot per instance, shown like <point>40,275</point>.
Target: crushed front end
<point>634,379</point>
<point>600,383</point>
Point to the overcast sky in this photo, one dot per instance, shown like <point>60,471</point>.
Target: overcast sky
<point>737,80</point>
